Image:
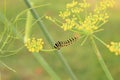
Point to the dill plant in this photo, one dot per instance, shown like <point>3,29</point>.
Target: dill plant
<point>86,26</point>
<point>79,17</point>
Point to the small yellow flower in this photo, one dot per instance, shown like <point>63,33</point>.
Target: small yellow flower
<point>84,4</point>
<point>64,14</point>
<point>34,45</point>
<point>49,18</point>
<point>114,47</point>
<point>70,5</point>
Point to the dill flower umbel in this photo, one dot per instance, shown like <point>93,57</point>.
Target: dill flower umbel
<point>104,5</point>
<point>114,47</point>
<point>34,45</point>
<point>76,18</point>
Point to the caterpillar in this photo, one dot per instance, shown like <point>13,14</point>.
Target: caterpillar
<point>59,44</point>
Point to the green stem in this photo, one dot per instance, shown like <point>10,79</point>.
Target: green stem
<point>42,61</point>
<point>5,7</point>
<point>48,50</point>
<point>28,26</point>
<point>100,40</point>
<point>5,42</point>
<point>21,13</point>
<point>14,52</point>
<point>7,66</point>
<point>101,61</point>
<point>84,40</point>
<point>5,30</point>
<point>50,40</point>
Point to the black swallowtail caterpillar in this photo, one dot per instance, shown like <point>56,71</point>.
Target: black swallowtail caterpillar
<point>59,44</point>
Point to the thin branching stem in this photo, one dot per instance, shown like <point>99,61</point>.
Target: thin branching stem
<point>7,66</point>
<point>14,52</point>
<point>48,50</point>
<point>24,11</point>
<point>5,7</point>
<point>100,40</point>
<point>101,61</point>
<point>50,40</point>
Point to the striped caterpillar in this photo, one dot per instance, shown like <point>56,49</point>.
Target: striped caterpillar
<point>59,44</point>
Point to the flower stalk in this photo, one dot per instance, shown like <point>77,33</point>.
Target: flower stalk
<point>28,26</point>
<point>101,61</point>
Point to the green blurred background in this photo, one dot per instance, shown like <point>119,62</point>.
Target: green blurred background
<point>82,59</point>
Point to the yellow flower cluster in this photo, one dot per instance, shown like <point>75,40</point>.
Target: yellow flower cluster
<point>104,5</point>
<point>92,22</point>
<point>71,14</point>
<point>69,24</point>
<point>34,45</point>
<point>114,47</point>
<point>73,9</point>
<point>76,18</point>
<point>70,5</point>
